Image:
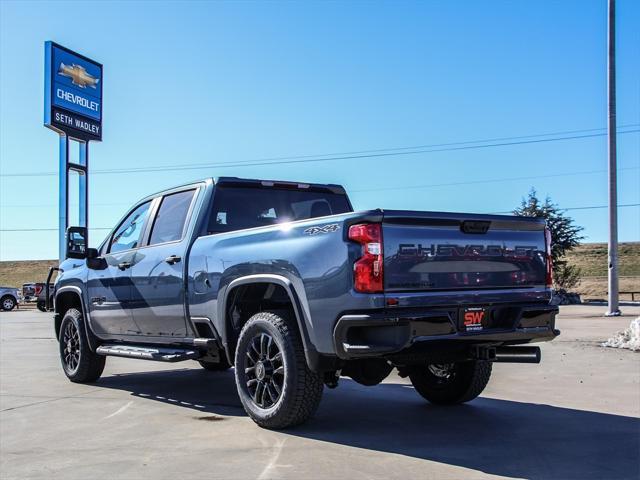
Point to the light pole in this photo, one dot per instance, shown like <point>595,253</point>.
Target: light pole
<point>613,309</point>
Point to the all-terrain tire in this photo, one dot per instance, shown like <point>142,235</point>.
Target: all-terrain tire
<point>286,376</point>
<point>465,382</point>
<point>8,303</point>
<point>79,363</point>
<point>221,366</point>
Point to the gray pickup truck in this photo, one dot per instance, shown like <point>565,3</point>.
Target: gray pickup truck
<point>9,298</point>
<point>286,283</point>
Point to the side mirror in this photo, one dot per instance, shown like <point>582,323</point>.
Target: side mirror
<point>94,260</point>
<point>76,242</point>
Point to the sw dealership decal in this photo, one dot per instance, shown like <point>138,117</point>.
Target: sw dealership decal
<point>73,93</point>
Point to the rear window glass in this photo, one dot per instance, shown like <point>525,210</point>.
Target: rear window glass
<point>171,217</point>
<point>237,208</point>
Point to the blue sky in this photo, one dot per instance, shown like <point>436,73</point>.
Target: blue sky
<point>213,83</point>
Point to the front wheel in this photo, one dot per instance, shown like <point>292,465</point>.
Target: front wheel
<point>276,387</point>
<point>79,363</point>
<point>451,383</point>
<point>8,303</point>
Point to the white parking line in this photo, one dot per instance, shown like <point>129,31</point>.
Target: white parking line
<point>267,472</point>
<point>120,410</point>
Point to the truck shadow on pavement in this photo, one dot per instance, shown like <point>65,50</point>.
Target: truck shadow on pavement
<point>499,437</point>
<point>200,390</point>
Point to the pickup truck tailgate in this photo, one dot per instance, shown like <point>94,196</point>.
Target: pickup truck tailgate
<point>426,251</point>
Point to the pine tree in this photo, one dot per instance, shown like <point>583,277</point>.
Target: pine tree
<point>565,236</point>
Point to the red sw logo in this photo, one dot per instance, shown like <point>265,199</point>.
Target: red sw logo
<point>473,318</point>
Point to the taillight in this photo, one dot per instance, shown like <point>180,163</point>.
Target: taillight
<point>38,289</point>
<point>368,269</point>
<point>547,242</point>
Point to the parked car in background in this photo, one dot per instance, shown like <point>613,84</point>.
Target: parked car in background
<point>33,292</point>
<point>41,302</point>
<point>9,298</point>
<point>29,292</point>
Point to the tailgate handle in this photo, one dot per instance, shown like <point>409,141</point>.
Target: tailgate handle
<point>475,226</point>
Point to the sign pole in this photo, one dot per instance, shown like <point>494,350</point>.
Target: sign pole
<point>613,310</point>
<point>73,109</point>
<point>83,199</point>
<point>63,196</point>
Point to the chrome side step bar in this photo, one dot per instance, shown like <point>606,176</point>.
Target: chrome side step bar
<point>159,354</point>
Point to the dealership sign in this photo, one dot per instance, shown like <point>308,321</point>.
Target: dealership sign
<point>72,93</point>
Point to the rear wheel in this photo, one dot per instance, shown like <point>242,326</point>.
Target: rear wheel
<point>451,383</point>
<point>79,363</point>
<point>275,385</point>
<point>8,303</point>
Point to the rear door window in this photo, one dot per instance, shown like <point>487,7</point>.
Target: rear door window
<point>171,217</point>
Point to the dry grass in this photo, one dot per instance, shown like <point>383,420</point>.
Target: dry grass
<point>592,259</point>
<point>596,287</point>
<point>15,273</point>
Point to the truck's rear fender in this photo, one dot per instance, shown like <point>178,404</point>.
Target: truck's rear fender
<point>313,263</point>
<point>254,293</point>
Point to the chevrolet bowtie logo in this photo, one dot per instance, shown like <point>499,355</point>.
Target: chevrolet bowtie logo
<point>78,75</point>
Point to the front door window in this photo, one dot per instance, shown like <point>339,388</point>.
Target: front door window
<point>129,233</point>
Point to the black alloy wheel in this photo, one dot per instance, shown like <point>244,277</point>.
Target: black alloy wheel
<point>79,363</point>
<point>451,383</point>
<point>275,385</point>
<point>70,345</point>
<point>265,371</point>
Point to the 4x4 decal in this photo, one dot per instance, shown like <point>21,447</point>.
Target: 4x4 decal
<point>332,227</point>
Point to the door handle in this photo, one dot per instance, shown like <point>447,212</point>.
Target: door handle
<point>124,265</point>
<point>173,259</point>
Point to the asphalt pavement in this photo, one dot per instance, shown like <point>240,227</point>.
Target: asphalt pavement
<point>576,415</point>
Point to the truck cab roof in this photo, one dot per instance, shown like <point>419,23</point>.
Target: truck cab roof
<point>248,182</point>
<point>255,183</point>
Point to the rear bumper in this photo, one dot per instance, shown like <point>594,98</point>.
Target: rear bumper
<point>361,335</point>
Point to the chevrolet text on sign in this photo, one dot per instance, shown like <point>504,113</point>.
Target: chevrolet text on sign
<point>73,93</point>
